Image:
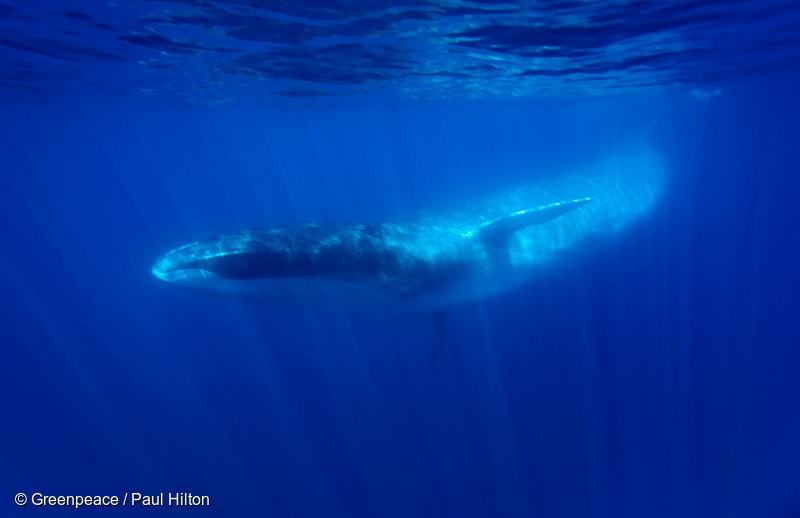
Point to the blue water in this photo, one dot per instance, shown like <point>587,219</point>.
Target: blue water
<point>656,379</point>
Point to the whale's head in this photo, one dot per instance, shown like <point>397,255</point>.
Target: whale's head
<point>299,266</point>
<point>188,265</point>
<point>229,260</point>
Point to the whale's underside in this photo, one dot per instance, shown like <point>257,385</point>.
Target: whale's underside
<point>431,260</point>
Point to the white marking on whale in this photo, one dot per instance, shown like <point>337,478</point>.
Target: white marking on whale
<point>430,261</point>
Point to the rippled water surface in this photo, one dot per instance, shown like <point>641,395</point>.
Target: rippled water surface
<point>654,374</point>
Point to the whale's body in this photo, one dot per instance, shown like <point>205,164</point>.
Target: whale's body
<point>432,260</point>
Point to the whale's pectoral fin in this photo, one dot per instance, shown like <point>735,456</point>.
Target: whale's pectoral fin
<point>497,232</point>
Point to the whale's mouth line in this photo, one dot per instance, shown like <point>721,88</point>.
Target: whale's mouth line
<point>180,275</point>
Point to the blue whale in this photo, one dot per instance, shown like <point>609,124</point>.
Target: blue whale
<point>434,259</point>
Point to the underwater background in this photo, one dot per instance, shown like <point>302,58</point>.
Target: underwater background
<point>659,378</point>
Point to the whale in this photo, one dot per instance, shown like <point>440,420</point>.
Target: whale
<point>432,260</point>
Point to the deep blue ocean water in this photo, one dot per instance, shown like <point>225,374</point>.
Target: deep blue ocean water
<point>659,378</point>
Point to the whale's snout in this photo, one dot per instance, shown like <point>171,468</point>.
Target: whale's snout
<point>181,266</point>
